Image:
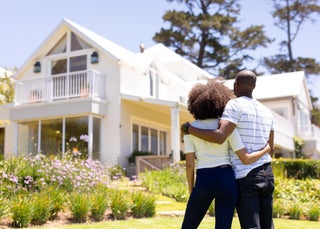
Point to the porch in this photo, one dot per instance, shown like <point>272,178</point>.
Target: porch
<point>88,83</point>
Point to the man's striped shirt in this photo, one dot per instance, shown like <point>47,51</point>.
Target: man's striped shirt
<point>254,122</point>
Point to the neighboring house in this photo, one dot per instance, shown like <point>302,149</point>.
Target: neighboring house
<point>288,97</point>
<point>79,92</point>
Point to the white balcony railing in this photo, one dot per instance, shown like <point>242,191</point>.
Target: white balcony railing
<point>58,87</point>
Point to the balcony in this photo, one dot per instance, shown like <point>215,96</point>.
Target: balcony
<point>60,87</point>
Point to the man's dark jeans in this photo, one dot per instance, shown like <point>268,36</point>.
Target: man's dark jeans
<point>255,198</point>
<point>217,183</point>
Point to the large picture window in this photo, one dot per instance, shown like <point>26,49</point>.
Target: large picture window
<point>51,136</point>
<point>64,135</point>
<point>149,139</point>
<point>28,138</point>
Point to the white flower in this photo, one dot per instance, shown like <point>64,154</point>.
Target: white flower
<point>73,139</point>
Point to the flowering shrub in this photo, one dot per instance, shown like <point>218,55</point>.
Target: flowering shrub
<point>37,188</point>
<point>24,174</point>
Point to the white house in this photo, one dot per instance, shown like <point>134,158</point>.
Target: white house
<point>81,92</point>
<point>79,84</point>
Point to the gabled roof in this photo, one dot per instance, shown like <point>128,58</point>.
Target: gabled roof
<point>118,52</point>
<point>158,53</point>
<point>175,63</point>
<point>279,86</point>
<point>95,40</point>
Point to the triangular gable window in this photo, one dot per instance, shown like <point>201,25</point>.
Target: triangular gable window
<point>77,43</point>
<point>60,47</point>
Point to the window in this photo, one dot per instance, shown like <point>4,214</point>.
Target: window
<point>149,139</point>
<point>163,143</point>
<point>51,137</point>
<point>76,135</point>
<point>60,47</point>
<point>153,77</point>
<point>77,43</point>
<point>28,138</point>
<point>78,63</point>
<point>135,137</point>
<point>281,111</point>
<point>144,139</point>
<point>74,62</point>
<point>154,140</point>
<point>59,66</point>
<point>304,121</point>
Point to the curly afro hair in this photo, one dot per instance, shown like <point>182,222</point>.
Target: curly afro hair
<point>207,101</point>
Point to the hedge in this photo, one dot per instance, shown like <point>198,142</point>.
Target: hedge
<point>296,168</point>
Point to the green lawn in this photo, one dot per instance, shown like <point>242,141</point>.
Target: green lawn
<point>165,204</point>
<point>175,222</point>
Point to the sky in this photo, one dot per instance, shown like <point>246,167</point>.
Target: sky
<point>26,24</point>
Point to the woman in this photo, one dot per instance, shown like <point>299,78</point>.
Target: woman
<point>214,175</point>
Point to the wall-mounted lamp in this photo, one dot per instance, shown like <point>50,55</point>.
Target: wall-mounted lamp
<point>37,67</point>
<point>94,58</point>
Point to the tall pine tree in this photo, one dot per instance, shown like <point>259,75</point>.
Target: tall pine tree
<point>206,33</point>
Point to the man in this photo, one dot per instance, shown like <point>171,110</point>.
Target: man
<point>255,125</point>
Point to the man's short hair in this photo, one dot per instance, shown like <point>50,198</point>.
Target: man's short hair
<point>246,80</point>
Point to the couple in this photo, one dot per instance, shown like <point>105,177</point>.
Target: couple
<point>241,177</point>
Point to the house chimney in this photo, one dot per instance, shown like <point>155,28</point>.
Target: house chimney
<point>141,46</point>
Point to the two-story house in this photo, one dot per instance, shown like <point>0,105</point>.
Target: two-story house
<point>79,92</point>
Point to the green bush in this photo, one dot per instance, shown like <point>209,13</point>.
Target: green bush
<point>58,198</point>
<point>42,206</point>
<point>143,205</point>
<point>297,168</point>
<point>314,212</point>
<point>278,209</point>
<point>4,207</point>
<point>79,206</point>
<point>99,203</point>
<point>22,211</point>
<point>170,182</point>
<point>136,153</point>
<point>295,211</point>
<point>120,203</point>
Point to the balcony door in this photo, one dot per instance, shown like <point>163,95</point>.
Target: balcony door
<point>67,82</point>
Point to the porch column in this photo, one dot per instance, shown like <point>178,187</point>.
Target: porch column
<point>15,134</point>
<point>90,135</point>
<point>175,133</point>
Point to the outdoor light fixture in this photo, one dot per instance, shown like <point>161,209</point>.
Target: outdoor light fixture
<point>37,67</point>
<point>94,58</point>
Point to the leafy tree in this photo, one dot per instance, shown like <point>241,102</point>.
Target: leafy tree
<point>290,16</point>
<point>315,113</point>
<point>6,88</point>
<point>205,32</point>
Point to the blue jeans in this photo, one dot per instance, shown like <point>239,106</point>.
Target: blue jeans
<point>255,199</point>
<point>217,183</point>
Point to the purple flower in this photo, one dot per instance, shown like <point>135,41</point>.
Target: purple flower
<point>84,137</point>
